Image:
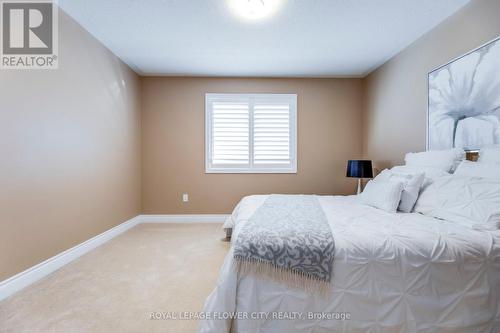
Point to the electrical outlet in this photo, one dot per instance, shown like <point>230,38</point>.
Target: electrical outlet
<point>185,197</point>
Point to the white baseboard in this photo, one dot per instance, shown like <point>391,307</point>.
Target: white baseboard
<point>35,273</point>
<point>184,218</point>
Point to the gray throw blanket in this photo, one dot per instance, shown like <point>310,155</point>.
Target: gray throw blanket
<point>288,239</point>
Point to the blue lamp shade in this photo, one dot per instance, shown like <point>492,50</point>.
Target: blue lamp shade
<point>359,169</point>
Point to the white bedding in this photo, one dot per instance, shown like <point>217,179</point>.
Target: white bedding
<point>392,273</point>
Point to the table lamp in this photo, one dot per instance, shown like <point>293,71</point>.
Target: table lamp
<point>359,169</point>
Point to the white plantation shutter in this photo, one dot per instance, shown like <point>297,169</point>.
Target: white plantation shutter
<point>271,133</point>
<point>251,133</point>
<point>230,138</point>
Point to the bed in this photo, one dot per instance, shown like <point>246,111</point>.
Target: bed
<point>392,272</point>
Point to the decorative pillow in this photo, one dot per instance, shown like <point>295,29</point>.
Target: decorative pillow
<point>431,174</point>
<point>470,200</point>
<point>478,169</point>
<point>381,194</point>
<point>446,160</point>
<point>490,154</point>
<point>411,187</point>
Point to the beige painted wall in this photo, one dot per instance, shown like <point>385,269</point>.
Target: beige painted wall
<point>329,124</point>
<point>396,93</point>
<point>70,151</point>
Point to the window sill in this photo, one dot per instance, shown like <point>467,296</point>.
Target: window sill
<point>250,171</point>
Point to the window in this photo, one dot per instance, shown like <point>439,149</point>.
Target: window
<point>250,133</point>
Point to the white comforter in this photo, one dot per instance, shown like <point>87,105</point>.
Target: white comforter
<point>392,273</point>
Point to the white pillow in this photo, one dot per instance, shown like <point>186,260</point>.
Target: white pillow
<point>478,169</point>
<point>431,174</point>
<point>490,154</point>
<point>446,160</point>
<point>381,194</point>
<point>411,187</point>
<point>471,200</point>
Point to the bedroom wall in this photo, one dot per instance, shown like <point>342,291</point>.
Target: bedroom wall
<point>70,151</point>
<point>173,109</point>
<point>396,93</point>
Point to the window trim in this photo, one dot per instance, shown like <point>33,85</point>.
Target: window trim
<point>270,169</point>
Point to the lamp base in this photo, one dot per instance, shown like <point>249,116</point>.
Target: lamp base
<point>359,186</point>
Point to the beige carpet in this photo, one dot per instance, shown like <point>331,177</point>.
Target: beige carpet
<point>114,288</point>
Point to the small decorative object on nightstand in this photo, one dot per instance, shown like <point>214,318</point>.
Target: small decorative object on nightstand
<point>359,169</point>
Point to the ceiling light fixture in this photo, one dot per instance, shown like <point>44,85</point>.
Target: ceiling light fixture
<point>254,9</point>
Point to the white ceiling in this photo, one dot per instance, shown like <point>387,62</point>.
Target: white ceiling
<point>305,38</point>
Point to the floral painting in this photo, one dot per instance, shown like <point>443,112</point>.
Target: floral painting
<point>464,101</point>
